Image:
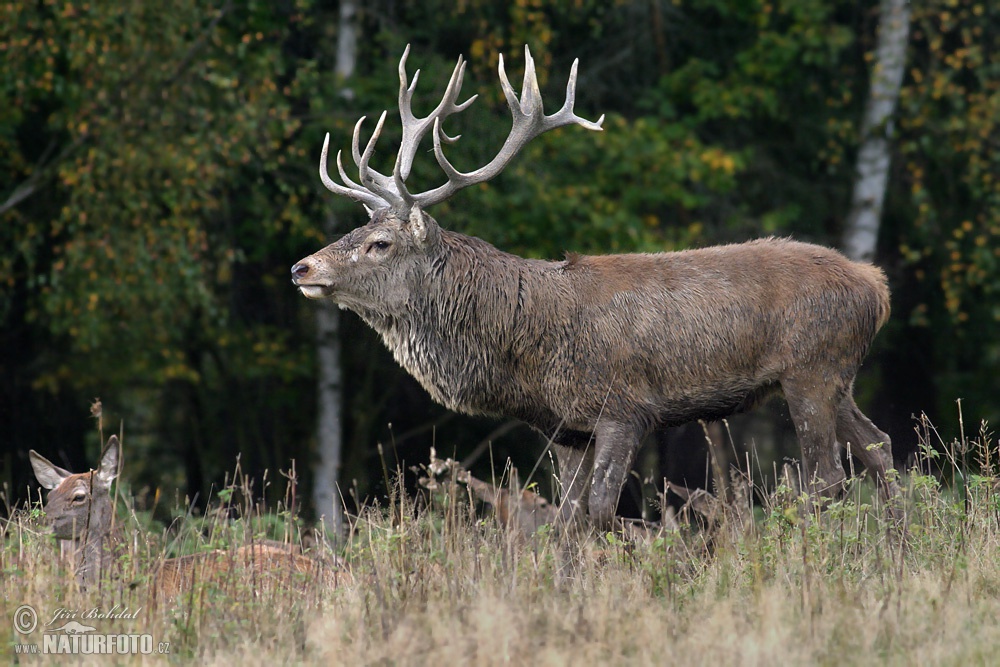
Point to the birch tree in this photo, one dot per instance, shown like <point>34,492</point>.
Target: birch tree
<point>872,169</point>
<point>329,428</point>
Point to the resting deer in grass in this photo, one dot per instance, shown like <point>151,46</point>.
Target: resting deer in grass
<point>515,507</point>
<point>596,351</point>
<point>79,509</point>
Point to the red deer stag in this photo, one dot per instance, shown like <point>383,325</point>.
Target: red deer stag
<point>79,510</point>
<point>595,351</point>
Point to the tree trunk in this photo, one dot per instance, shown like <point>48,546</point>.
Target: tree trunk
<point>861,234</point>
<point>347,42</point>
<point>329,427</point>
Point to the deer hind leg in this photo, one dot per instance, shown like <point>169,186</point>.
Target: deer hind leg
<point>616,447</point>
<point>575,456</point>
<point>813,406</point>
<point>866,442</point>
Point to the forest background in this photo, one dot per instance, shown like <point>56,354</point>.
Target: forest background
<point>158,180</point>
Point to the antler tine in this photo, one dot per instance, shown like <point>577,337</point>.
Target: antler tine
<point>343,174</point>
<point>449,170</point>
<point>383,180</point>
<point>373,180</point>
<point>415,128</point>
<point>531,96</point>
<point>355,192</point>
<point>529,121</point>
<point>567,107</point>
<point>406,91</point>
<point>509,92</point>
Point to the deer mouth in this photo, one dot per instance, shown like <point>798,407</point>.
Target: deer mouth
<point>315,291</point>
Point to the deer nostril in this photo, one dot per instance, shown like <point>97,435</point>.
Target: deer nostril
<point>300,270</point>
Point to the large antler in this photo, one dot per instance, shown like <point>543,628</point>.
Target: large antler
<point>378,190</point>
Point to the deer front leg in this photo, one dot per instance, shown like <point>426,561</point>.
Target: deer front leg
<point>813,406</point>
<point>575,456</point>
<point>616,447</point>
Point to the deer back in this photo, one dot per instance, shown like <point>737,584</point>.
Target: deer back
<point>258,567</point>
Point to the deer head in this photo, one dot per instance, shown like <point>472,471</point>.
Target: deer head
<point>376,266</point>
<point>79,505</point>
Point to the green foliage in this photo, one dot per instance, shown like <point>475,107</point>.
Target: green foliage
<point>950,143</point>
<point>949,192</point>
<point>162,116</point>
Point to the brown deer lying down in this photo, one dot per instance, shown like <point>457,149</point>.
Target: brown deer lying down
<point>595,352</point>
<point>523,510</point>
<point>79,509</point>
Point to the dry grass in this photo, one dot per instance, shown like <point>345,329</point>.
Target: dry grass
<point>435,584</point>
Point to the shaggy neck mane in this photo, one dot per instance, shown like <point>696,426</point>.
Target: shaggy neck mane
<point>452,333</point>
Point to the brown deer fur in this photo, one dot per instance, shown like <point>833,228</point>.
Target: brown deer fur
<point>613,346</point>
<point>595,351</point>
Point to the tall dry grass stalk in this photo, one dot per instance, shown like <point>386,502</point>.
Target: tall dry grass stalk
<point>435,582</point>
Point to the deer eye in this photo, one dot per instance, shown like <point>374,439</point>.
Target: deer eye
<point>79,496</point>
<point>378,245</point>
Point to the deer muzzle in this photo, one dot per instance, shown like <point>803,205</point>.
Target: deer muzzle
<point>304,277</point>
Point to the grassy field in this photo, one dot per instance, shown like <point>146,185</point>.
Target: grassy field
<point>436,582</point>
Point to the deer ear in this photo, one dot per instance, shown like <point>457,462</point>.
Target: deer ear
<point>421,226</point>
<point>109,462</point>
<point>48,474</point>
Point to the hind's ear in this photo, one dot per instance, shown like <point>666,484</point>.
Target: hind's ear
<point>48,474</point>
<point>108,469</point>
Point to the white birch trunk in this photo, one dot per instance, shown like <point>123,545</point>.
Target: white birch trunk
<point>872,170</point>
<point>347,41</point>
<point>329,427</point>
<point>330,395</point>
